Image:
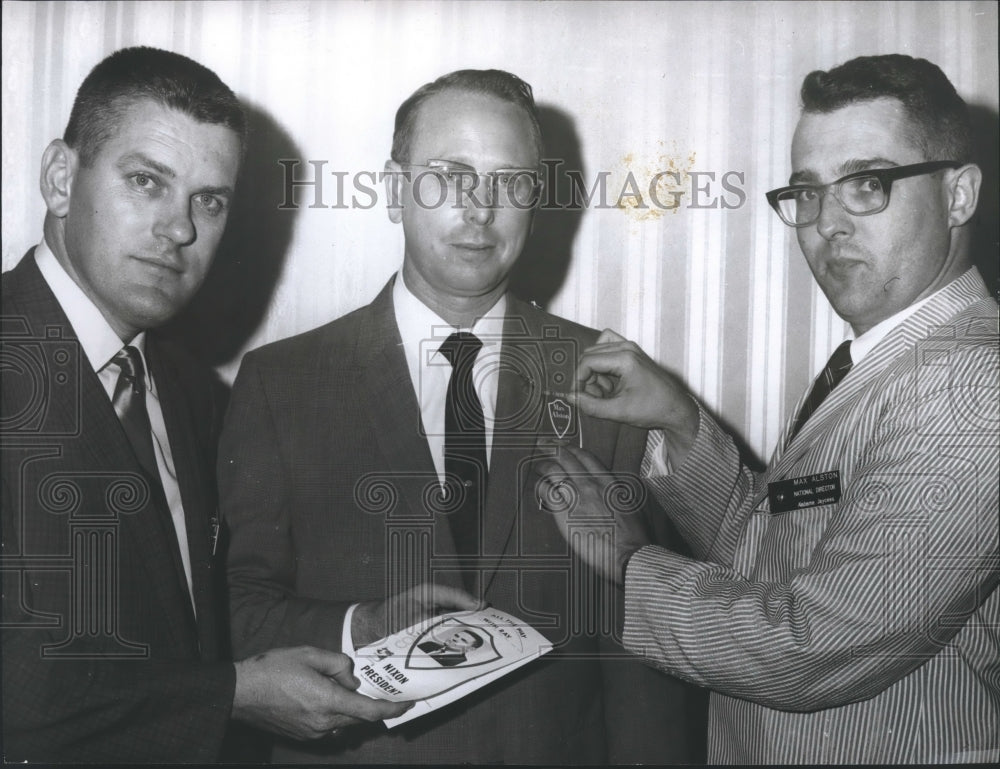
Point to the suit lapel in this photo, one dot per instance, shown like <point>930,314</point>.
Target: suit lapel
<point>520,421</point>
<point>386,392</point>
<point>892,353</point>
<point>150,530</point>
<point>103,448</point>
<point>851,388</point>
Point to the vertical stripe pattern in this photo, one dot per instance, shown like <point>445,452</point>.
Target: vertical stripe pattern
<point>715,289</point>
<point>862,630</point>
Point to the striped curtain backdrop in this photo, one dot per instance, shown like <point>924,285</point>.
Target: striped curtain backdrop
<point>714,287</point>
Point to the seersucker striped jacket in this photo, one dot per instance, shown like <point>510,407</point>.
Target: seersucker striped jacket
<point>865,630</point>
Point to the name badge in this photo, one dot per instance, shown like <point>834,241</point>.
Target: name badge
<point>807,491</point>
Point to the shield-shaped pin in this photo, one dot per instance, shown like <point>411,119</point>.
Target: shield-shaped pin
<point>561,416</point>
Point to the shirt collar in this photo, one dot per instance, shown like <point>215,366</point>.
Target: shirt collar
<point>420,325</point>
<point>99,341</point>
<point>865,343</point>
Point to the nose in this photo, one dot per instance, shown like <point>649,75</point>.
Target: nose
<point>175,223</point>
<point>480,206</point>
<point>833,220</point>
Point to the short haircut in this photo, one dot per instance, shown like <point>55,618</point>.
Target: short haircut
<point>939,117</point>
<point>132,74</point>
<point>476,640</point>
<point>492,82</point>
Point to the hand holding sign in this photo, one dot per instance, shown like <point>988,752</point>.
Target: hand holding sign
<point>377,619</point>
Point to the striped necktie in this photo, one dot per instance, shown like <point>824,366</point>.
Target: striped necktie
<point>130,406</point>
<point>836,369</point>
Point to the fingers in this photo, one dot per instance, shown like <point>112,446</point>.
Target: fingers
<point>333,665</point>
<point>453,598</point>
<point>344,705</point>
<point>609,336</point>
<point>598,386</point>
<point>349,707</point>
<point>571,482</point>
<point>595,403</point>
<point>601,366</point>
<point>603,373</point>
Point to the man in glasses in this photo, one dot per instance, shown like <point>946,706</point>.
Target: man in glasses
<point>391,450</point>
<point>842,606</point>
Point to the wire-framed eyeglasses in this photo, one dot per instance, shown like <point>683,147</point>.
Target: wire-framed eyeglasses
<point>440,181</point>
<point>862,193</point>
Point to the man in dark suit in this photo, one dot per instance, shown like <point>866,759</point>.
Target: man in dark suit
<point>392,449</point>
<point>111,632</point>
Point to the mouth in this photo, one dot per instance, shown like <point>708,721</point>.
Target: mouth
<point>473,245</point>
<point>158,263</point>
<point>840,266</point>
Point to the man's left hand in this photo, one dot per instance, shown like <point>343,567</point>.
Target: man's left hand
<point>373,620</point>
<point>598,512</point>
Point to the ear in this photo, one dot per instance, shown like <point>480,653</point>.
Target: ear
<point>59,165</point>
<point>964,194</point>
<point>394,190</point>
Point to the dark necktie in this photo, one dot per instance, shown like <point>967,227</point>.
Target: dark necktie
<point>130,406</point>
<point>836,369</point>
<point>464,442</point>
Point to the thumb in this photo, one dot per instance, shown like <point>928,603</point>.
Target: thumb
<point>609,336</point>
<point>333,665</point>
<point>449,597</point>
<point>592,406</point>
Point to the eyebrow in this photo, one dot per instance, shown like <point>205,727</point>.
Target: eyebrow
<point>167,171</point>
<point>471,167</point>
<point>849,167</point>
<point>140,158</point>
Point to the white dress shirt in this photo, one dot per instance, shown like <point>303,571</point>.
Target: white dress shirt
<point>100,344</point>
<point>423,332</point>
<point>861,346</point>
<point>657,463</point>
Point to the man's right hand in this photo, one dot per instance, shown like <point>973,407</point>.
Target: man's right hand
<point>304,693</point>
<point>373,620</point>
<point>616,380</point>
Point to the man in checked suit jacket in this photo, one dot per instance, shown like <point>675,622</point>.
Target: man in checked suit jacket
<point>842,606</point>
<point>331,457</point>
<point>112,634</point>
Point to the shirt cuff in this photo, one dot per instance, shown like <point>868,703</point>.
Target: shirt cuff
<point>346,640</point>
<point>655,462</point>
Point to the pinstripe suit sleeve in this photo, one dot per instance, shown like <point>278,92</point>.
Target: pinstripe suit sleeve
<point>886,578</point>
<point>254,493</point>
<point>706,498</point>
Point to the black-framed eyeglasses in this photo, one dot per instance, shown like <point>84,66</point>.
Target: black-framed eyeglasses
<point>455,182</point>
<point>862,193</point>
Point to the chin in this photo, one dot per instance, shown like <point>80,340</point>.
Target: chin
<point>155,312</point>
